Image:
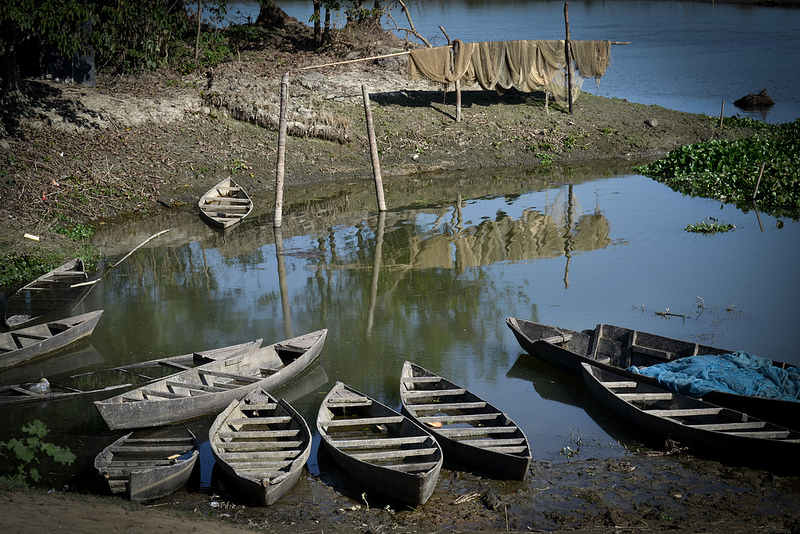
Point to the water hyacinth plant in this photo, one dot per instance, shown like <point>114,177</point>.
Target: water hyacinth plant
<point>730,170</point>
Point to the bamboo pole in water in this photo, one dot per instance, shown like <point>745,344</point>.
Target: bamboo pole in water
<point>278,217</point>
<point>373,150</point>
<point>568,58</point>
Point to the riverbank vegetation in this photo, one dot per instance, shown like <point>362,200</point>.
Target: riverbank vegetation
<point>762,170</point>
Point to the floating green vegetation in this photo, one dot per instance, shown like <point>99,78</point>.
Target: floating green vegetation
<point>731,170</point>
<point>709,226</point>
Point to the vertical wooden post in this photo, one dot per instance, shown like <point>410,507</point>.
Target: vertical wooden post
<point>373,150</point>
<point>568,53</point>
<point>278,217</point>
<point>458,100</point>
<point>721,113</point>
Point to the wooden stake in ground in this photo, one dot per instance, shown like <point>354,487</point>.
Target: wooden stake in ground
<point>373,150</point>
<point>278,217</point>
<point>568,54</point>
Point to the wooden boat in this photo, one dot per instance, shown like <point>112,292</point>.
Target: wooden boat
<point>225,204</point>
<point>381,448</point>
<point>261,445</point>
<point>210,387</point>
<point>467,427</point>
<point>63,286</point>
<point>147,468</point>
<point>621,348</point>
<point>692,422</point>
<point>114,378</point>
<point>25,344</point>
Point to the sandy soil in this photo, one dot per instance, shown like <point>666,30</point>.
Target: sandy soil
<point>157,141</point>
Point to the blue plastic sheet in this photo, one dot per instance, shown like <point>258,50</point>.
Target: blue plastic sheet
<point>739,372</point>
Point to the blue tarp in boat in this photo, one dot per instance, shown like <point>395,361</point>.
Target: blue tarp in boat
<point>739,372</point>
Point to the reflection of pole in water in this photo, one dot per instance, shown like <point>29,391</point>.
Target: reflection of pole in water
<point>376,267</point>
<point>287,315</point>
<point>569,237</point>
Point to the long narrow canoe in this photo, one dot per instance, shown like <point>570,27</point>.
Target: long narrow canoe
<point>620,348</point>
<point>114,378</point>
<point>209,388</point>
<point>381,448</point>
<point>693,422</point>
<point>468,428</point>
<point>147,468</point>
<point>225,204</point>
<point>62,287</point>
<point>261,445</point>
<point>25,344</point>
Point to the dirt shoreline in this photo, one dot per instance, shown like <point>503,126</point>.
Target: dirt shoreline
<point>79,155</point>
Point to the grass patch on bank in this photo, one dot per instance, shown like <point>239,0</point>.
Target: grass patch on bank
<point>731,170</point>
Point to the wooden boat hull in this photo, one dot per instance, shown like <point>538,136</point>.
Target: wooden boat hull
<point>619,348</point>
<point>25,344</point>
<point>468,428</point>
<point>209,388</point>
<point>148,468</point>
<point>120,377</point>
<point>692,422</point>
<point>225,204</point>
<point>53,291</point>
<point>384,450</point>
<point>261,445</point>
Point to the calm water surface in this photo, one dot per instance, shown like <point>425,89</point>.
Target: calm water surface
<point>434,284</point>
<point>687,56</point>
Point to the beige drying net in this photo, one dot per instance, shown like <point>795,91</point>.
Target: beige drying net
<point>525,65</point>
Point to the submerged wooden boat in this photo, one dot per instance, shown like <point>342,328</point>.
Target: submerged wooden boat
<point>261,445</point>
<point>25,344</point>
<point>147,468</point>
<point>225,204</point>
<point>209,388</point>
<point>63,286</point>
<point>467,427</point>
<point>113,378</point>
<point>692,422</point>
<point>620,348</point>
<point>381,448</point>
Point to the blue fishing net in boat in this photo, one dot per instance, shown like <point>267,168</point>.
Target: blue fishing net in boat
<point>739,372</point>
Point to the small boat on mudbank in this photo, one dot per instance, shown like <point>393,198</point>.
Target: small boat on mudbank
<point>467,427</point>
<point>381,448</point>
<point>225,204</point>
<point>261,445</point>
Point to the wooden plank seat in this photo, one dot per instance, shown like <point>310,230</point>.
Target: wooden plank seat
<point>220,374</point>
<point>495,442</point>
<point>152,448</point>
<point>260,455</point>
<point>147,392</point>
<point>376,443</point>
<point>242,446</point>
<point>272,420</point>
<point>424,393</point>
<point>268,406</point>
<point>202,388</point>
<point>421,379</point>
<point>559,338</point>
<point>443,406</point>
<point>138,463</point>
<point>261,466</point>
<point>462,418</point>
<point>346,402</point>
<point>256,434</point>
<point>267,371</point>
<point>474,431</point>
<point>232,200</point>
<point>660,396</point>
<point>620,384</point>
<point>508,449</point>
<point>730,426</point>
<point>393,455</point>
<point>684,412</point>
<point>413,467</point>
<point>655,353</point>
<point>364,421</point>
<point>161,439</point>
<point>22,391</point>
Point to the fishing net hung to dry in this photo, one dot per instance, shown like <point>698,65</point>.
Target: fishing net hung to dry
<point>529,65</point>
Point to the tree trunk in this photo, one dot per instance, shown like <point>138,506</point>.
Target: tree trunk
<point>317,23</point>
